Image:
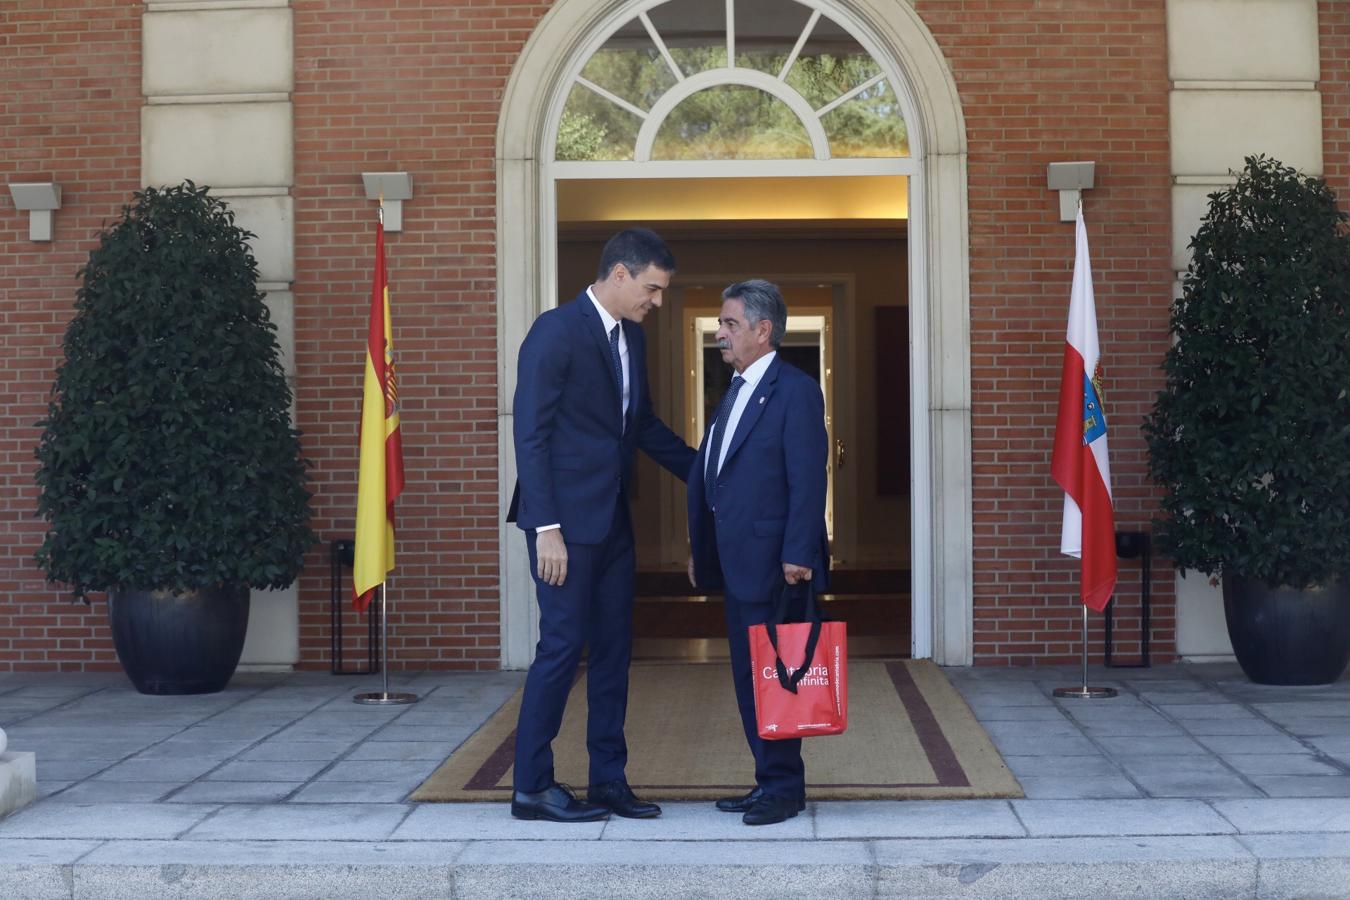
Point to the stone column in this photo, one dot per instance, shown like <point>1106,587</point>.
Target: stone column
<point>217,77</point>
<point>1244,81</point>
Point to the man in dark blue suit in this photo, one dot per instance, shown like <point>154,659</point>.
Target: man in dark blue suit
<point>582,408</point>
<point>757,514</point>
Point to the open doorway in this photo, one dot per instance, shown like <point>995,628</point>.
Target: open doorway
<point>845,282</point>
<point>887,131</point>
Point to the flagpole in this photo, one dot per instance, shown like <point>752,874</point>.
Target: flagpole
<point>384,697</point>
<point>1084,692</point>
<point>1072,441</point>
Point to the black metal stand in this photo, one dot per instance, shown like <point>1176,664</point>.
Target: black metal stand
<point>1131,545</point>
<point>342,554</point>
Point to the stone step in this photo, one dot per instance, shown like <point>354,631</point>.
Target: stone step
<point>1192,867</point>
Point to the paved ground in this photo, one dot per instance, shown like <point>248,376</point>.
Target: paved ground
<point>1193,783</point>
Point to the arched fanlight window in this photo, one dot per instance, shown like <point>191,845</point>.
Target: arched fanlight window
<point>731,79</point>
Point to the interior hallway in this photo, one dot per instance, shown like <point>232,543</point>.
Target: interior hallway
<point>672,623</point>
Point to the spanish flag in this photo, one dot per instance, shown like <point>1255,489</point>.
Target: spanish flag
<point>380,479</point>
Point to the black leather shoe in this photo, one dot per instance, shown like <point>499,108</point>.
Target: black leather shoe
<point>742,803</point>
<point>618,798</point>
<point>555,803</point>
<point>771,809</point>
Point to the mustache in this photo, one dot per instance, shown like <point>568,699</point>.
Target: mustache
<point>723,344</point>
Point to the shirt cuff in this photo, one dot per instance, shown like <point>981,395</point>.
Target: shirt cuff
<point>542,528</point>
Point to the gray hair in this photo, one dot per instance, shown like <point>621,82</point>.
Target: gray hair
<point>762,300</point>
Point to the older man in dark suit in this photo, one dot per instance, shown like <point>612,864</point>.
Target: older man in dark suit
<point>757,514</point>
<point>582,408</point>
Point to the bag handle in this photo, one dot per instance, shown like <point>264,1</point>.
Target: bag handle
<point>812,613</point>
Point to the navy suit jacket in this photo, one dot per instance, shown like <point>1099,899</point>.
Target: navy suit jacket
<point>770,493</point>
<point>573,454</point>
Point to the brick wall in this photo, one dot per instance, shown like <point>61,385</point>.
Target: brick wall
<point>420,90</point>
<point>416,88</point>
<point>1039,83</point>
<point>69,113</point>
<point>1333,19</point>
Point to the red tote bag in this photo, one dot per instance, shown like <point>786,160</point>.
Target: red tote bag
<point>800,673</point>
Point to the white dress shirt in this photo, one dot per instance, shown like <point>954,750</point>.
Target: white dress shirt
<point>752,375</point>
<point>609,322</point>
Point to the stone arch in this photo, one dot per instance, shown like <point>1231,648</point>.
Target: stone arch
<point>939,295</point>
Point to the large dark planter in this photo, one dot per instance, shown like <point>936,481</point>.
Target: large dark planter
<point>179,643</point>
<point>1286,636</point>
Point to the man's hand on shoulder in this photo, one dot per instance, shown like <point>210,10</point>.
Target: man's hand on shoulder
<point>552,554</point>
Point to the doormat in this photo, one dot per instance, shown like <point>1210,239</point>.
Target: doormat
<point>910,736</point>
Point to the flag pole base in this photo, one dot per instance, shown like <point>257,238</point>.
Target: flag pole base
<point>1085,693</point>
<point>385,698</point>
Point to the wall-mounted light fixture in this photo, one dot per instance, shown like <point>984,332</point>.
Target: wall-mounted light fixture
<point>392,188</point>
<point>1070,179</point>
<point>39,198</point>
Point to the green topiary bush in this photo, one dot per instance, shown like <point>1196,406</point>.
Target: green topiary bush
<point>167,458</point>
<point>1250,438</point>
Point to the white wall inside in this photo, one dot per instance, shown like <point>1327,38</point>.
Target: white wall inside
<point>273,630</point>
<point>1202,634</point>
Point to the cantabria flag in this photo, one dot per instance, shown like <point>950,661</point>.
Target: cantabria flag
<point>1080,463</point>
<point>380,478</point>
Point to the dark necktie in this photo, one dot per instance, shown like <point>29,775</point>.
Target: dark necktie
<point>715,448</point>
<point>618,366</point>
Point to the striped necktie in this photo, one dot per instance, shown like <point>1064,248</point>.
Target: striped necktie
<point>618,368</point>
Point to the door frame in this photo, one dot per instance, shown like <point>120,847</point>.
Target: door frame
<point>894,34</point>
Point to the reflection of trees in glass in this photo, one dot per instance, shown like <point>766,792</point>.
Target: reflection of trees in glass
<point>822,78</point>
<point>580,137</point>
<point>693,60</point>
<point>638,75</point>
<point>612,130</point>
<point>868,125</point>
<point>730,122</point>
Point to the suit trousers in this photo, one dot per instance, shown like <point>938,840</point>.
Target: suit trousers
<point>591,610</point>
<point>779,769</point>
